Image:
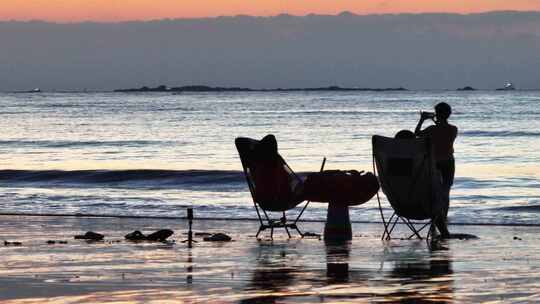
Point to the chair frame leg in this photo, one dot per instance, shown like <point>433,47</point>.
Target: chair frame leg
<point>283,221</point>
<point>416,231</point>
<point>287,230</point>
<point>388,224</point>
<point>391,223</point>
<point>411,227</point>
<point>267,222</point>
<point>301,212</point>
<point>389,236</point>
<point>298,230</point>
<point>261,228</point>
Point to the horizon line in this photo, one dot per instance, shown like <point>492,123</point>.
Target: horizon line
<point>267,90</point>
<point>348,13</point>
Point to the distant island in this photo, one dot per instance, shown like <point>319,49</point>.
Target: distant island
<point>203,88</point>
<point>36,90</point>
<point>467,88</point>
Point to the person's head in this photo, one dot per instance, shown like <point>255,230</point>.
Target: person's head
<point>404,134</point>
<point>443,111</point>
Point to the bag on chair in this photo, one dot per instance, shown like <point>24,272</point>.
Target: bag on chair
<point>344,187</point>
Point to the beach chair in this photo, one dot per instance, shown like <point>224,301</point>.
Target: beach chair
<point>411,183</point>
<point>273,184</point>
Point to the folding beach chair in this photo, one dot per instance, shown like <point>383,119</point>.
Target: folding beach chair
<point>413,186</point>
<point>273,184</point>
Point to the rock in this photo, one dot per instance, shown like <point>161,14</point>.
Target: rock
<point>218,237</point>
<point>135,236</point>
<point>6,243</point>
<point>202,234</point>
<point>90,235</point>
<point>52,242</point>
<point>160,235</point>
<point>467,88</point>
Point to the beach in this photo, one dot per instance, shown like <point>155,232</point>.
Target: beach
<point>502,265</point>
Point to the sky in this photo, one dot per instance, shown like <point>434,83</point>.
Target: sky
<point>125,10</point>
<point>420,51</point>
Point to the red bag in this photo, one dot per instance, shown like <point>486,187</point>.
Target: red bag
<point>342,187</point>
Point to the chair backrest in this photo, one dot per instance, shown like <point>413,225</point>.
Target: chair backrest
<point>273,184</point>
<point>408,177</point>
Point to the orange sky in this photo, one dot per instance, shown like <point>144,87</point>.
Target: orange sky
<point>121,10</point>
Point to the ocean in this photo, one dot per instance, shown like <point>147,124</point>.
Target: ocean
<point>154,154</point>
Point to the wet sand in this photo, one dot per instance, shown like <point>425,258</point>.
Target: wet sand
<point>502,265</point>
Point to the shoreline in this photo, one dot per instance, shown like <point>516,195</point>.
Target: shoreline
<point>239,219</point>
<point>271,90</point>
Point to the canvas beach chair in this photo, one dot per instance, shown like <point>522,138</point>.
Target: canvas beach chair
<point>411,183</point>
<point>274,186</point>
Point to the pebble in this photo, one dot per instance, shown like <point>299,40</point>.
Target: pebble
<point>51,242</point>
<point>6,243</point>
<point>218,237</point>
<point>158,236</point>
<point>199,234</point>
<point>90,235</point>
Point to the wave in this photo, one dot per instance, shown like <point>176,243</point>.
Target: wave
<point>15,112</point>
<point>60,105</point>
<point>510,182</point>
<point>478,133</point>
<point>143,179</point>
<point>526,208</point>
<point>175,109</point>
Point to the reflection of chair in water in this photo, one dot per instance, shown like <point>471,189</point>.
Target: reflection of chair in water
<point>273,184</point>
<point>410,181</point>
<point>422,277</point>
<point>417,275</point>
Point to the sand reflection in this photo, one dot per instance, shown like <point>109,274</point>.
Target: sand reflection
<point>273,275</point>
<point>495,267</point>
<point>419,275</point>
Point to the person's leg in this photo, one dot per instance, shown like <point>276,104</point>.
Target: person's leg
<point>442,225</point>
<point>449,172</point>
<point>447,169</point>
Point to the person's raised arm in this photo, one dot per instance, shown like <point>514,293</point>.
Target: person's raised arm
<point>423,117</point>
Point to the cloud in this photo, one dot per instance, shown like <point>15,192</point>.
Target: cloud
<point>412,50</point>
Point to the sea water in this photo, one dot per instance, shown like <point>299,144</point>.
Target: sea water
<point>154,154</point>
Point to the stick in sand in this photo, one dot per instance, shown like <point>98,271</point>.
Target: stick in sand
<point>190,240</point>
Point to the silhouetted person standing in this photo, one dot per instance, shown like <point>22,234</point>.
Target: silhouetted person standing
<point>442,136</point>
